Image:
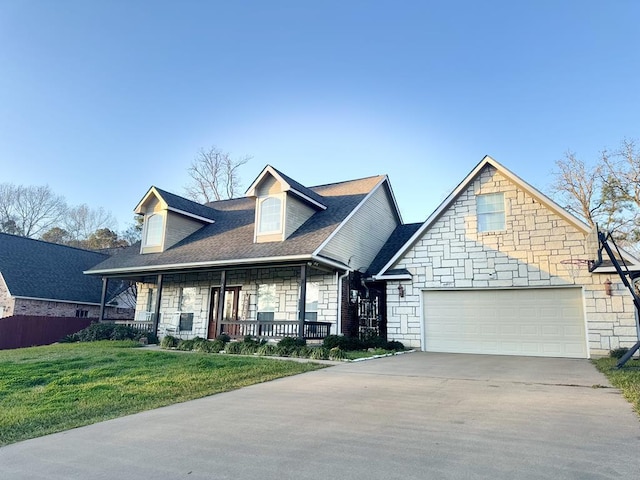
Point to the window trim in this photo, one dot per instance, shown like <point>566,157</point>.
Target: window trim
<point>271,309</point>
<point>261,201</point>
<point>489,226</point>
<point>147,224</point>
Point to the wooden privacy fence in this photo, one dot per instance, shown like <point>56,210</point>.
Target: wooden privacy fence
<point>27,331</point>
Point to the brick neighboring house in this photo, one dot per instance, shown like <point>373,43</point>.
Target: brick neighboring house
<point>39,278</point>
<point>490,272</point>
<point>285,260</point>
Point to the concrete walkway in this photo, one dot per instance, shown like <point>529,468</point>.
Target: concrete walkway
<point>413,416</point>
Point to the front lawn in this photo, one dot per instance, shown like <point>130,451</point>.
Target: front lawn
<point>53,388</point>
<point>626,378</point>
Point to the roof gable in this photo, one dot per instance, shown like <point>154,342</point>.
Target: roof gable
<point>288,185</point>
<point>487,161</point>
<point>175,203</point>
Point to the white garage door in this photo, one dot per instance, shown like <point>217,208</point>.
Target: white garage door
<point>541,322</point>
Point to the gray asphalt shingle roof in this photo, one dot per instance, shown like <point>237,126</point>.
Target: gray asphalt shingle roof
<point>186,205</point>
<point>301,188</point>
<point>37,269</point>
<point>398,238</point>
<point>231,236</point>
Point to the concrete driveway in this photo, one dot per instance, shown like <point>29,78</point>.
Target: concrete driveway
<point>414,416</point>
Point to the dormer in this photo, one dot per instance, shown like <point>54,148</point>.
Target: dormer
<point>169,218</point>
<point>282,205</point>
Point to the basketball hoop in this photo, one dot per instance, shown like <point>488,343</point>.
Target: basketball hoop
<point>574,265</point>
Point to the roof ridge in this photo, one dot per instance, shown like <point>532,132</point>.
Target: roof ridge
<point>56,244</point>
<point>348,181</point>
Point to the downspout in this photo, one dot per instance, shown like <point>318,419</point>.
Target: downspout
<point>339,317</point>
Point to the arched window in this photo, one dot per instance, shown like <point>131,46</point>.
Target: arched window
<point>153,235</point>
<point>270,215</point>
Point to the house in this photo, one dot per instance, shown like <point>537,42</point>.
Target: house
<point>45,279</point>
<point>499,268</point>
<point>285,260</point>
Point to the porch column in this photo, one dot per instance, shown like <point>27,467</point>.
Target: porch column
<point>220,310</point>
<point>302,306</point>
<point>103,298</point>
<point>156,307</point>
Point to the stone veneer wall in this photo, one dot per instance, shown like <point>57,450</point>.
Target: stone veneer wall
<point>287,285</point>
<point>453,254</point>
<point>6,301</point>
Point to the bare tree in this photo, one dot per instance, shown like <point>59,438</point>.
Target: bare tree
<point>622,188</point>
<point>82,221</point>
<point>577,186</point>
<point>214,175</point>
<point>29,211</point>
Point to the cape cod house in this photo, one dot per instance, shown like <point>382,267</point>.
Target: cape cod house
<point>279,262</point>
<point>499,268</point>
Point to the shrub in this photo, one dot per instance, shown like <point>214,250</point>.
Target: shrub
<point>224,338</point>
<point>301,352</point>
<point>169,342</point>
<point>233,348</point>
<point>618,352</point>
<point>266,350</point>
<point>185,345</point>
<point>342,342</point>
<point>209,347</point>
<point>123,332</point>
<point>249,348</point>
<point>319,353</point>
<point>283,350</point>
<point>336,354</point>
<point>292,342</point>
<point>394,345</point>
<point>96,332</point>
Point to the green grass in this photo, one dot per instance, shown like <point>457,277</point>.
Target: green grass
<point>49,389</point>
<point>626,378</point>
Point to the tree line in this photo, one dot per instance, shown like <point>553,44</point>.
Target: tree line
<point>38,212</point>
<point>604,192</point>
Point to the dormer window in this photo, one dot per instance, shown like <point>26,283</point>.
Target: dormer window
<point>270,216</point>
<point>153,233</point>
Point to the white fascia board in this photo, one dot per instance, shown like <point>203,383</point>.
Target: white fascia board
<point>462,186</point>
<point>332,263</point>
<point>217,263</point>
<point>348,217</point>
<point>306,198</point>
<point>187,214</point>
<point>393,199</point>
<point>251,191</point>
<point>151,191</point>
<point>404,276</point>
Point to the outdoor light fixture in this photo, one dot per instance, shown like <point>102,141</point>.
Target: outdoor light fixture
<point>401,291</point>
<point>353,297</point>
<point>607,287</point>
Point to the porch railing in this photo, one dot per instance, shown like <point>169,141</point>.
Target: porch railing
<point>143,326</point>
<point>275,329</point>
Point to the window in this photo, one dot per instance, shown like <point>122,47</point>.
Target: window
<point>153,233</point>
<point>266,302</point>
<point>490,212</point>
<point>311,306</point>
<point>151,300</point>
<point>187,303</point>
<point>82,313</point>
<point>270,215</point>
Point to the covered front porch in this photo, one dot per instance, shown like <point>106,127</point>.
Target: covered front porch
<point>270,302</point>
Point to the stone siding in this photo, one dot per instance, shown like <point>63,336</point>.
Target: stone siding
<point>452,254</point>
<point>287,281</point>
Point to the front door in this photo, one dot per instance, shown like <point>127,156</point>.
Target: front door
<point>230,312</point>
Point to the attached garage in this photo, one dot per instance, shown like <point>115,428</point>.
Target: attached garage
<point>542,322</point>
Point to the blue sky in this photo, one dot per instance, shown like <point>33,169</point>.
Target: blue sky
<point>102,99</point>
